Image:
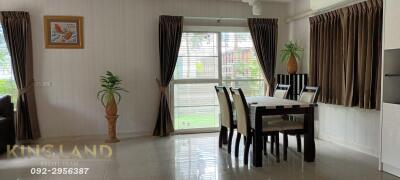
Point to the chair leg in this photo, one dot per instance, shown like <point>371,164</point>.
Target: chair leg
<point>246,150</point>
<point>220,137</point>
<point>272,144</point>
<point>224,135</point>
<point>277,148</point>
<point>285,146</point>
<point>298,138</point>
<point>230,140</point>
<point>238,135</point>
<point>265,138</point>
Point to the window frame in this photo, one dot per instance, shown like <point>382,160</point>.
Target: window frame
<point>205,29</point>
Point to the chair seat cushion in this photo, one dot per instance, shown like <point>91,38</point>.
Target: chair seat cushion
<point>292,125</point>
<point>272,123</point>
<point>277,123</point>
<point>272,118</point>
<point>271,127</point>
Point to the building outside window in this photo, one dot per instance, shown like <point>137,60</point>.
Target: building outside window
<point>207,59</point>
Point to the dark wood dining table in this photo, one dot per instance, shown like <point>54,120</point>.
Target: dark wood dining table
<point>267,106</point>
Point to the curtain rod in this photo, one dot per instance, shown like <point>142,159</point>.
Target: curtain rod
<point>323,10</point>
<point>215,18</point>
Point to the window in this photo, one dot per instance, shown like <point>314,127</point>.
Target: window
<point>7,83</point>
<point>240,67</point>
<point>207,59</point>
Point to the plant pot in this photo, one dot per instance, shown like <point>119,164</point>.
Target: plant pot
<point>292,65</point>
<point>112,130</point>
<point>111,115</point>
<point>111,107</point>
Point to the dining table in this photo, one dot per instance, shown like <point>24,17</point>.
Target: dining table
<point>260,106</point>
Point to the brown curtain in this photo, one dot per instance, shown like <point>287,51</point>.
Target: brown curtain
<point>362,35</point>
<point>170,34</point>
<point>326,56</point>
<point>264,33</point>
<point>345,59</point>
<point>17,33</point>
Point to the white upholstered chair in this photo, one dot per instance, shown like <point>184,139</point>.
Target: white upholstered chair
<point>226,116</point>
<point>296,123</point>
<point>280,91</point>
<point>243,123</point>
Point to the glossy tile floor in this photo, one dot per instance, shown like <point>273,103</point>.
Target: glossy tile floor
<point>197,156</point>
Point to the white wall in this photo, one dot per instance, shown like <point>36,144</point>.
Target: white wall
<point>352,127</point>
<point>320,4</point>
<point>120,36</point>
<point>299,31</point>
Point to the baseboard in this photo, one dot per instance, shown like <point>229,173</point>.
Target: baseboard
<point>77,138</point>
<point>356,147</point>
<point>391,169</point>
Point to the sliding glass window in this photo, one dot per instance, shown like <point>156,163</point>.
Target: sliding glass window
<point>207,59</point>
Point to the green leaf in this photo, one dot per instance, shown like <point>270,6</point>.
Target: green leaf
<point>100,92</point>
<point>291,48</point>
<point>102,99</point>
<point>119,97</point>
<point>110,84</point>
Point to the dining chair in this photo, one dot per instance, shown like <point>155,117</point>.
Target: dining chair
<point>295,124</point>
<point>226,116</point>
<point>243,123</point>
<point>280,91</point>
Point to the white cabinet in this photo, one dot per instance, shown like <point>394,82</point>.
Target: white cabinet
<point>391,138</point>
<point>390,122</point>
<point>392,24</point>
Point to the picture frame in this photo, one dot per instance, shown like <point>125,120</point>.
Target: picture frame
<point>64,32</point>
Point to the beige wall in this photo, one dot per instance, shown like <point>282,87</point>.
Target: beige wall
<point>352,127</point>
<point>120,36</point>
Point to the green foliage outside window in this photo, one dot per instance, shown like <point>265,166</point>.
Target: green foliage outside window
<point>7,83</point>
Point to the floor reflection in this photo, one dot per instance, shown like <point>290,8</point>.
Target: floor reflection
<point>197,156</point>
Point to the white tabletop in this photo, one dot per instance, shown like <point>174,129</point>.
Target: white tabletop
<point>273,103</point>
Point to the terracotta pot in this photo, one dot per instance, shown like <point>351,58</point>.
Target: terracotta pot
<point>111,107</point>
<point>111,115</point>
<point>112,130</point>
<point>292,65</point>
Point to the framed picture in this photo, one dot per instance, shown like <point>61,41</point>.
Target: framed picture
<point>63,32</point>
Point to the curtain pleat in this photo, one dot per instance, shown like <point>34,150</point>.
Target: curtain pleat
<point>325,63</point>
<point>170,35</point>
<point>18,37</point>
<point>345,59</point>
<point>264,33</point>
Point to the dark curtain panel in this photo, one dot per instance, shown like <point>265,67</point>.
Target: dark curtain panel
<point>264,33</point>
<point>345,55</point>
<point>362,35</point>
<point>17,32</point>
<point>326,58</point>
<point>170,34</point>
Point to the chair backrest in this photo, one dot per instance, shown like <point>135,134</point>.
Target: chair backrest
<point>242,111</point>
<point>281,91</point>
<point>309,94</point>
<point>225,106</point>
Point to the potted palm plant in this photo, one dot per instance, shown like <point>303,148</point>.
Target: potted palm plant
<point>291,53</point>
<point>110,89</point>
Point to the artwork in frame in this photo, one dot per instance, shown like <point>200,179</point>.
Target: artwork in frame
<point>63,32</point>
